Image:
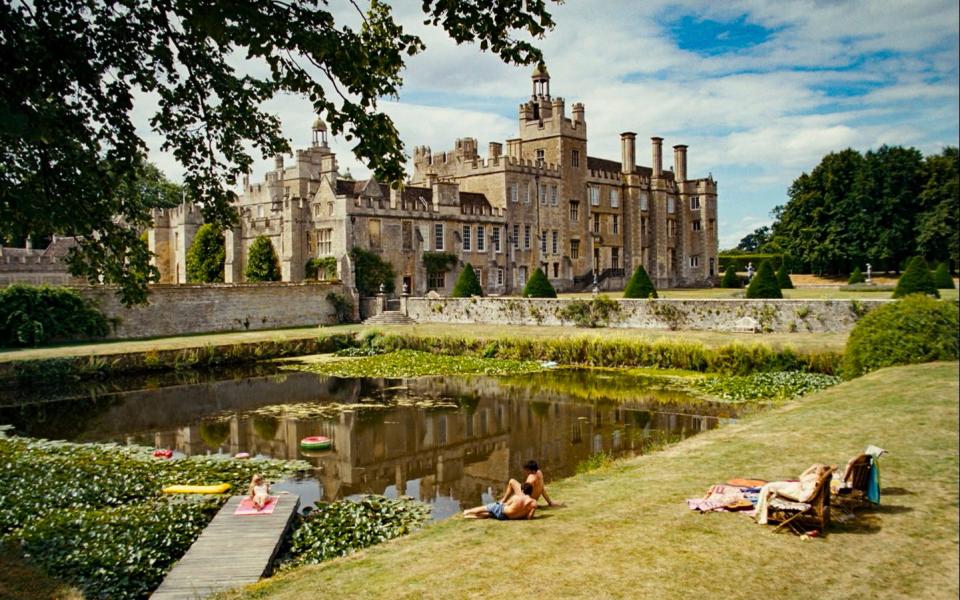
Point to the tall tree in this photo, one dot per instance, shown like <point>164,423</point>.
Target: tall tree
<point>752,242</point>
<point>72,71</point>
<point>938,225</point>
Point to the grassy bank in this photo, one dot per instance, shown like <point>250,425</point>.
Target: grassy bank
<point>626,531</point>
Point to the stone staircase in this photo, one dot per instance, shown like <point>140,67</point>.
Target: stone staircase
<point>390,317</point>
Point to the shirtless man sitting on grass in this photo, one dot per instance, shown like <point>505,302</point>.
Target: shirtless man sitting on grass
<point>533,476</point>
<point>520,506</point>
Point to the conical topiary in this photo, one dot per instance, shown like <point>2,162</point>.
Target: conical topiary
<point>917,279</point>
<point>730,278</point>
<point>783,277</point>
<point>262,263</point>
<point>538,286</point>
<point>467,284</point>
<point>640,285</point>
<point>942,278</point>
<point>206,256</point>
<point>856,277</point>
<point>764,283</point>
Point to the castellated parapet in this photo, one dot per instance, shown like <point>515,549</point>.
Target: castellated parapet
<point>534,201</point>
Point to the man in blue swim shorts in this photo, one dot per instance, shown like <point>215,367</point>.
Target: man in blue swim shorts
<point>519,506</point>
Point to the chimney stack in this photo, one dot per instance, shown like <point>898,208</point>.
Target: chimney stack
<point>628,151</point>
<point>657,156</point>
<point>495,150</point>
<point>680,162</point>
<point>578,112</point>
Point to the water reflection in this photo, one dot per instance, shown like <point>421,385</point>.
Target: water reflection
<point>452,458</point>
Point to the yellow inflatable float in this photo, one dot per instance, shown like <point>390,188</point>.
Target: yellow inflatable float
<point>197,489</point>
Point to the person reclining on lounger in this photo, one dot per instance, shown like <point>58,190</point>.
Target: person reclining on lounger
<point>534,476</point>
<point>520,506</point>
<point>797,491</point>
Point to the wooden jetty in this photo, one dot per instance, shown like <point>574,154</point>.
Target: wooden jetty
<point>233,550</point>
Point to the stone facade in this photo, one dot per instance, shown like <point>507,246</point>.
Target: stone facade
<point>219,307</point>
<point>38,267</point>
<point>781,316</point>
<point>543,203</point>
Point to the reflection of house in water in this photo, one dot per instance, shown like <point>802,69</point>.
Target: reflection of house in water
<point>455,452</point>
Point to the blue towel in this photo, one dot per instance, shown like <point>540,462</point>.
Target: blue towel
<point>873,483</point>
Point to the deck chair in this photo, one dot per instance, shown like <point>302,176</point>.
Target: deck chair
<point>854,482</point>
<point>815,511</point>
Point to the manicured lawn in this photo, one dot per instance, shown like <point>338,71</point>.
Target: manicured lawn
<point>626,531</point>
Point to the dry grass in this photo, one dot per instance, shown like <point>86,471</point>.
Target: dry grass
<point>799,341</point>
<point>626,532</point>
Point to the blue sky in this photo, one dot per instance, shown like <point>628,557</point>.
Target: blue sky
<point>760,91</point>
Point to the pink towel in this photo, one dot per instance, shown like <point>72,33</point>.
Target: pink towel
<point>246,507</point>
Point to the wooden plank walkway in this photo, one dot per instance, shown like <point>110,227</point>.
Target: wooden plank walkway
<point>233,550</point>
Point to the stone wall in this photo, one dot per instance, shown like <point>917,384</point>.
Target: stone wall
<point>714,315</point>
<point>186,309</point>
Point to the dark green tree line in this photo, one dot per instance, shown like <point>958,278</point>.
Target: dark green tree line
<point>880,207</point>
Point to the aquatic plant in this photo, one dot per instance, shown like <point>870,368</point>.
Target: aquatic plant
<point>338,528</point>
<point>94,515</point>
<point>766,386</point>
<point>412,363</point>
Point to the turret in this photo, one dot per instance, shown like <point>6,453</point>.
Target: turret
<point>541,82</point>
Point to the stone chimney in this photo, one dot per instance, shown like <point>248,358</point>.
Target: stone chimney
<point>657,156</point>
<point>680,162</point>
<point>628,151</point>
<point>278,165</point>
<point>495,150</point>
<point>578,112</point>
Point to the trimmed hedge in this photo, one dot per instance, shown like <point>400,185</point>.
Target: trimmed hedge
<point>730,278</point>
<point>640,285</point>
<point>917,279</point>
<point>32,315</point>
<point>262,261</point>
<point>764,283</point>
<point>942,278</point>
<point>538,286</point>
<point>783,277</point>
<point>914,330</point>
<point>740,261</point>
<point>467,284</point>
<point>856,277</point>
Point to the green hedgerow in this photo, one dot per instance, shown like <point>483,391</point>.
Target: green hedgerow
<point>917,279</point>
<point>730,278</point>
<point>206,256</point>
<point>262,262</point>
<point>942,278</point>
<point>467,284</point>
<point>31,315</point>
<point>640,285</point>
<point>764,283</point>
<point>856,277</point>
<point>538,286</point>
<point>914,330</point>
<point>783,277</point>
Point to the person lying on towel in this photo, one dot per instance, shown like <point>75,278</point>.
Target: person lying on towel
<point>797,491</point>
<point>519,506</point>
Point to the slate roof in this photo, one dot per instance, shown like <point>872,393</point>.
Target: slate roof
<point>612,166</point>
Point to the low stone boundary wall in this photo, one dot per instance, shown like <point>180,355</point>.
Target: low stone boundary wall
<point>782,316</point>
<point>186,309</point>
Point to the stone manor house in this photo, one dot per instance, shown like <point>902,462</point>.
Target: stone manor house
<point>541,202</point>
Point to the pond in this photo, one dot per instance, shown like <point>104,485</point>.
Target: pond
<point>449,441</point>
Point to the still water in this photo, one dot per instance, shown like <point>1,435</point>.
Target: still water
<point>453,456</point>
